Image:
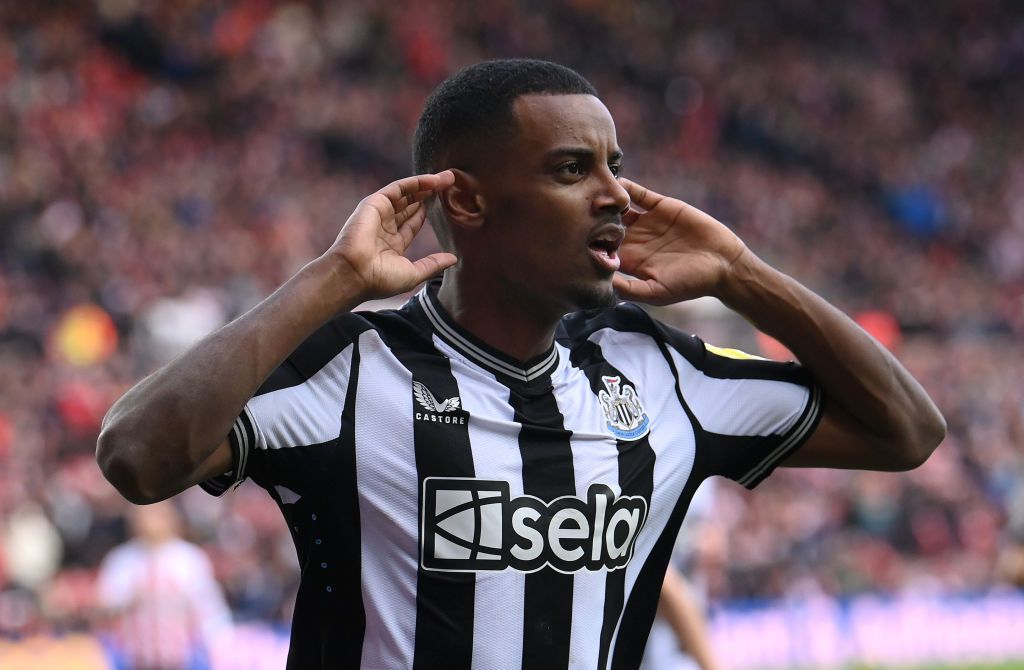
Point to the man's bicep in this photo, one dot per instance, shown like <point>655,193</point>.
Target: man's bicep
<point>220,462</point>
<point>840,441</point>
<point>225,467</point>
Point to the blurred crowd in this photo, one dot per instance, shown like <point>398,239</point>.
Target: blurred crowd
<point>164,165</point>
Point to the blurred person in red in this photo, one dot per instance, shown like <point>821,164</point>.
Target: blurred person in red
<point>159,593</point>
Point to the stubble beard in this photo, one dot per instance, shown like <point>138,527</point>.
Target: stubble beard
<point>593,297</point>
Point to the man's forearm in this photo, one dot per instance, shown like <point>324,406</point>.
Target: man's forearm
<point>853,369</point>
<point>155,437</point>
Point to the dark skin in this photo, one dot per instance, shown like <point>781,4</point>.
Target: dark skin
<point>524,229</point>
<point>522,225</point>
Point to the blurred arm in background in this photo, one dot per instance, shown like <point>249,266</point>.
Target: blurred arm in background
<point>680,609</point>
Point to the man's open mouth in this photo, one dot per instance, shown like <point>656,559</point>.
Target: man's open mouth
<point>604,245</point>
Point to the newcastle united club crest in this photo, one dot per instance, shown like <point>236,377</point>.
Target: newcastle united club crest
<point>624,415</point>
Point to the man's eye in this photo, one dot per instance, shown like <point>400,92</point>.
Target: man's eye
<point>574,167</point>
<point>615,168</point>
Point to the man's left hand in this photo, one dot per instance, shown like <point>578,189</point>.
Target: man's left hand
<point>675,251</point>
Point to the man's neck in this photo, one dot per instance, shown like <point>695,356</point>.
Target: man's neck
<point>503,321</point>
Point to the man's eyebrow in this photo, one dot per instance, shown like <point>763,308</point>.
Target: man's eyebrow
<point>581,152</point>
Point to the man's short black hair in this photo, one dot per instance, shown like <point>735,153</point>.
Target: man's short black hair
<point>474,105</point>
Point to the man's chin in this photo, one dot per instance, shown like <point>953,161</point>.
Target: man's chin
<point>594,297</point>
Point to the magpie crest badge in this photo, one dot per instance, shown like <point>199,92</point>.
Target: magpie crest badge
<point>624,416</point>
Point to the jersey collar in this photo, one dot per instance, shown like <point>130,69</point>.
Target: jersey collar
<point>476,350</point>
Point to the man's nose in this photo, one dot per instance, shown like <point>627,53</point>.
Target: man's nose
<point>612,196</point>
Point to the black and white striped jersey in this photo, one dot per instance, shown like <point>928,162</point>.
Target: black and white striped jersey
<point>454,508</point>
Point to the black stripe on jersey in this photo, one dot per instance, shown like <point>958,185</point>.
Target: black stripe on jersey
<point>319,525</point>
<point>638,615</point>
<point>711,364</point>
<point>639,612</point>
<point>721,450</point>
<point>723,367</point>
<point>315,352</point>
<point>314,485</point>
<point>444,600</point>
<point>547,474</point>
<point>349,600</point>
<point>627,317</point>
<point>636,478</point>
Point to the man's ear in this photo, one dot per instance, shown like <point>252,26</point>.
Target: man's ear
<point>462,202</point>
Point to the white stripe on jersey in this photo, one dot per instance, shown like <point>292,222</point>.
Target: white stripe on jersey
<point>594,459</point>
<point>305,414</point>
<point>500,596</point>
<point>388,505</point>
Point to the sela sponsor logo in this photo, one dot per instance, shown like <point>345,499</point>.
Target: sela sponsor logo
<point>437,411</point>
<point>624,416</point>
<point>474,525</point>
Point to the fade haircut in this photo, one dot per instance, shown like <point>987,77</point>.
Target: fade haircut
<point>473,109</point>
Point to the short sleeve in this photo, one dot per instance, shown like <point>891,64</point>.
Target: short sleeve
<point>751,413</point>
<point>300,406</point>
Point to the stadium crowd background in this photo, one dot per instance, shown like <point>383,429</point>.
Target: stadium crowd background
<point>164,165</point>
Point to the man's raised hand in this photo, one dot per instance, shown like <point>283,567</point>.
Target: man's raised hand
<point>675,251</point>
<point>372,242</point>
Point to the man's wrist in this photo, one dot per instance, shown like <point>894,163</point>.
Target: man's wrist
<point>746,273</point>
<point>336,286</point>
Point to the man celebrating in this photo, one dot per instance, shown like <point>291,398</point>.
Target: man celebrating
<point>478,480</point>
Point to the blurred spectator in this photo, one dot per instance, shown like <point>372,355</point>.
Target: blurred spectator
<point>160,595</point>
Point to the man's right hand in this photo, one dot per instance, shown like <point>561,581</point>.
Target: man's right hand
<point>372,243</point>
